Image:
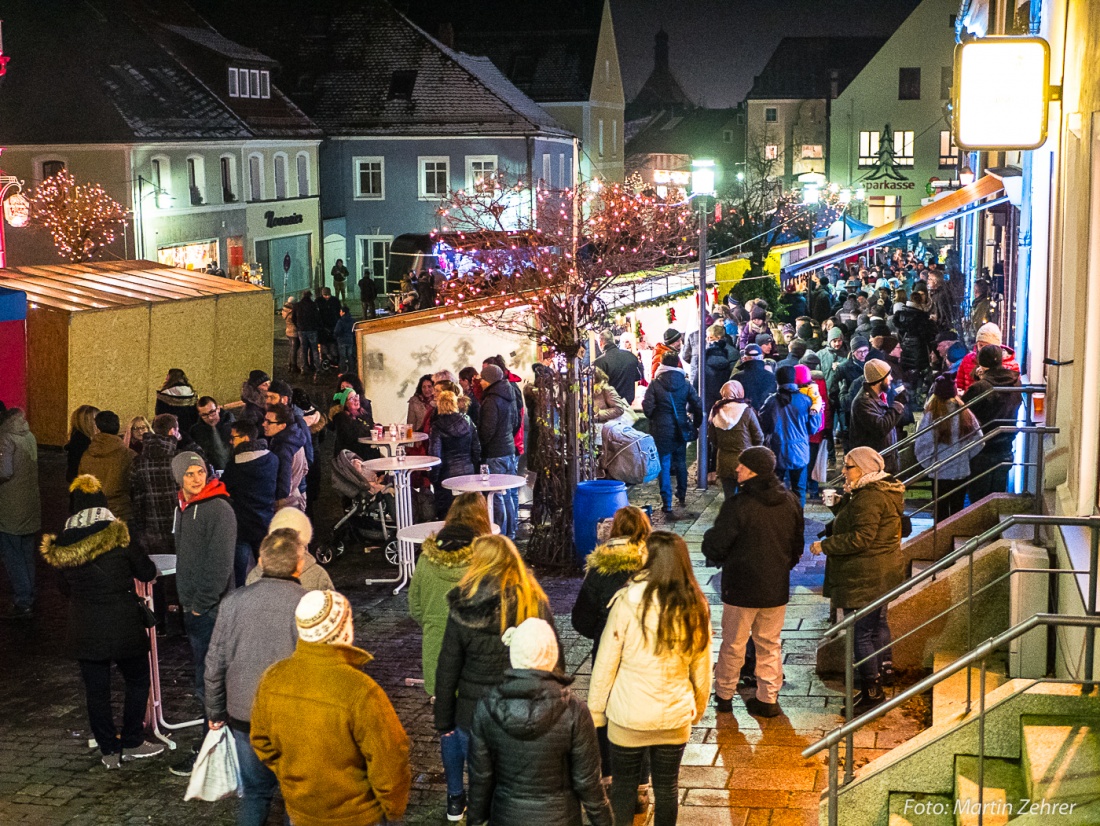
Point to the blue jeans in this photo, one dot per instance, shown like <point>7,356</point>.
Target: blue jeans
<point>347,355</point>
<point>673,462</point>
<point>872,634</point>
<point>258,784</point>
<point>455,747</point>
<point>244,560</point>
<point>506,503</point>
<point>310,357</point>
<point>795,479</point>
<point>199,629</point>
<point>17,551</point>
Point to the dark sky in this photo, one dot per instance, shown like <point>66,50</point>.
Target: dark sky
<point>717,46</point>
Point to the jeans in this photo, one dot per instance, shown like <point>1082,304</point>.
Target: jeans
<point>506,503</point>
<point>97,691</point>
<point>339,290</point>
<point>258,783</point>
<point>244,560</point>
<point>872,634</point>
<point>673,462</point>
<point>295,349</point>
<point>795,479</point>
<point>17,551</point>
<point>310,357</point>
<point>199,628</point>
<point>347,356</point>
<point>664,764</point>
<point>455,747</point>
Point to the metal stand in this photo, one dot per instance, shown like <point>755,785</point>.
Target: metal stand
<point>406,550</point>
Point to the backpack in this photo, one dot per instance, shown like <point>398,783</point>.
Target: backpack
<point>628,455</point>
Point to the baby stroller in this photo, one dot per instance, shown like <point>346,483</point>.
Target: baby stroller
<point>370,512</point>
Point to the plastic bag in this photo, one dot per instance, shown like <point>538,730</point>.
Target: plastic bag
<point>216,773</point>
<point>820,473</point>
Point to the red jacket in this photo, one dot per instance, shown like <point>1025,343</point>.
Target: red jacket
<point>514,379</point>
<point>965,377</point>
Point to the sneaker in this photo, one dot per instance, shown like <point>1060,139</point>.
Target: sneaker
<point>184,766</point>
<point>758,708</point>
<point>682,501</point>
<point>642,802</point>
<point>724,706</point>
<point>111,761</point>
<point>870,697</point>
<point>146,749</point>
<point>456,806</point>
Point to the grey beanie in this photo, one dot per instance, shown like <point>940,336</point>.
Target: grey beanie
<point>182,461</point>
<point>491,373</point>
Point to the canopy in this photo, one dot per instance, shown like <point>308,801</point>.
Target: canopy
<point>955,205</point>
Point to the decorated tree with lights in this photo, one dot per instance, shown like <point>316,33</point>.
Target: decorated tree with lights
<point>82,218</point>
<point>542,265</point>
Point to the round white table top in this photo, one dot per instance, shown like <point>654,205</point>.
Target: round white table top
<point>388,440</point>
<point>473,483</point>
<point>420,532</point>
<point>409,463</point>
<point>166,563</point>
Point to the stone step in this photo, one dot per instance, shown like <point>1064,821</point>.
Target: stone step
<point>918,566</point>
<point>1060,757</point>
<point>920,809</point>
<point>949,696</point>
<point>1004,787</point>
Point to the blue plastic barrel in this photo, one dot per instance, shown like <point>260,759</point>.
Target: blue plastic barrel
<point>592,502</point>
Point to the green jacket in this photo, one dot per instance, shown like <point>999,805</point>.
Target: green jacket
<point>863,554</point>
<point>437,573</point>
<point>20,508</point>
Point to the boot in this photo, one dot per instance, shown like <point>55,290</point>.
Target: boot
<point>887,674</point>
<point>869,696</point>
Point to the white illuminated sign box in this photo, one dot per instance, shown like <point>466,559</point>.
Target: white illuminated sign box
<point>1001,93</point>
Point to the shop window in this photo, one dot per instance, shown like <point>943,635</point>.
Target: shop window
<point>196,179</point>
<point>302,164</point>
<point>882,209</point>
<point>197,256</point>
<point>949,153</point>
<point>813,151</point>
<point>909,83</point>
<point>481,171</point>
<point>771,152</point>
<point>280,176</point>
<point>255,177</point>
<point>435,176</point>
<point>229,177</point>
<point>370,179</point>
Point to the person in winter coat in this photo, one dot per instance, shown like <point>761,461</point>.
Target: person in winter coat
<point>518,436</point>
<point>496,593</point>
<point>444,560</point>
<point>674,412</point>
<point>81,431</point>
<point>607,569</point>
<point>110,461</point>
<point>874,420</point>
<point>671,342</point>
<point>326,729</point>
<point>987,334</point>
<point>353,421</point>
<point>607,404</point>
<point>287,441</point>
<point>757,326</point>
<point>454,440</point>
<point>622,368</point>
<point>754,376</point>
<point>848,373</point>
<point>20,508</point>
<point>307,317</point>
<point>757,539</point>
<point>944,308</point>
<point>864,561</point>
<point>98,567</point>
<point>651,679</point>
<point>312,576</point>
<point>717,365</point>
<point>955,439</point>
<point>831,355</point>
<point>811,383</point>
<point>496,430</point>
<point>176,396</point>
<point>821,301</point>
<point>344,332</point>
<point>996,410</point>
<point>211,433</point>
<point>734,427</point>
<point>291,330</point>
<point>789,419</point>
<point>421,404</point>
<point>250,479</point>
<point>917,332</point>
<point>533,754</point>
<point>153,489</point>
<point>135,432</point>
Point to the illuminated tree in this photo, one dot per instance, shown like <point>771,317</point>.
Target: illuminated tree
<point>82,218</point>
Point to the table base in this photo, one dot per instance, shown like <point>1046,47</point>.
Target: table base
<point>406,551</point>
<point>154,714</point>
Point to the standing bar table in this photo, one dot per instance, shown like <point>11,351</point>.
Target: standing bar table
<point>388,442</point>
<point>406,549</point>
<point>496,483</point>
<point>154,715</point>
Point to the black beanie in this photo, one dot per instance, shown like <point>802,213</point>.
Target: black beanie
<point>258,377</point>
<point>759,460</point>
<point>784,375</point>
<point>991,356</point>
<point>86,493</point>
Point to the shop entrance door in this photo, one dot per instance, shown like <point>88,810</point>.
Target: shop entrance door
<point>271,255</point>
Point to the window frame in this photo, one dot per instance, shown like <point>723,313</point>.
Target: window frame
<point>228,161</point>
<point>40,166</point>
<point>421,170</point>
<point>258,178</point>
<point>471,183</point>
<point>356,178</point>
<point>903,160</point>
<point>380,281</point>
<point>947,81</point>
<point>233,83</point>
<point>303,192</point>
<point>600,143</point>
<point>196,179</point>
<point>279,161</point>
<point>254,80</point>
<point>906,87</point>
<point>813,155</point>
<point>243,90</point>
<point>265,84</point>
<point>547,171</point>
<point>771,152</point>
<point>771,114</point>
<point>160,176</point>
<point>949,159</point>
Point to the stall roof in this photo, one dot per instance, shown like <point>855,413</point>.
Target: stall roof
<point>105,285</point>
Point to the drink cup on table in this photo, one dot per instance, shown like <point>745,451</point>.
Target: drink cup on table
<point>484,473</point>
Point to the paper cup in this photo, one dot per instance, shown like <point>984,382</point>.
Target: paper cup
<point>828,497</point>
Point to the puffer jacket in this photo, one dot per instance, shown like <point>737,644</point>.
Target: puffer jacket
<point>790,426</point>
<point>958,451</point>
<point>671,405</point>
<point>473,658</point>
<point>917,332</point>
<point>250,479</point>
<point>731,439</point>
<point>718,367</point>
<point>607,570</point>
<point>636,688</point>
<point>454,440</point>
<point>863,553</point>
<point>997,409</point>
<point>608,405</point>
<point>289,446</point>
<point>497,424</point>
<point>534,759</point>
<point>98,566</point>
<point>20,506</point>
<point>444,559</point>
<point>965,376</point>
<point>874,425</point>
<point>758,381</point>
<point>288,319</point>
<point>109,461</point>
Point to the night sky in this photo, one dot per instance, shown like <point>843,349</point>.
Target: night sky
<point>717,46</point>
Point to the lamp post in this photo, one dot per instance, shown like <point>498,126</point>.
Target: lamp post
<point>846,197</point>
<point>702,187</point>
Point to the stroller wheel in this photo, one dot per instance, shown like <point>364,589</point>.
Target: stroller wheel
<point>324,554</point>
<point>391,552</point>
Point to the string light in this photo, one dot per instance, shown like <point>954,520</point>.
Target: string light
<point>82,218</point>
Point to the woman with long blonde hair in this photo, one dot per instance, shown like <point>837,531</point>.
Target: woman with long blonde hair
<point>135,432</point>
<point>496,593</point>
<point>81,430</point>
<point>651,680</point>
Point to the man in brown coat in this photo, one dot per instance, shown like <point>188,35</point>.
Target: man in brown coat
<point>109,460</point>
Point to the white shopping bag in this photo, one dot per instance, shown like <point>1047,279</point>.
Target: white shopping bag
<point>820,472</point>
<point>217,773</point>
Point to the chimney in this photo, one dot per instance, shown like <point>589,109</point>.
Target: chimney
<point>446,35</point>
<point>660,50</point>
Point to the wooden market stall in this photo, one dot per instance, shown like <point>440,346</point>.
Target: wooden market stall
<point>106,333</point>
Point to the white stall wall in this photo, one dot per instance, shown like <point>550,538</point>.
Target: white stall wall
<point>391,361</point>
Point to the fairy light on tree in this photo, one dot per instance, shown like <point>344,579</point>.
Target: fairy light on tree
<point>82,218</point>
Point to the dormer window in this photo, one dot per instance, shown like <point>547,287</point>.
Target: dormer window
<point>402,84</point>
<point>249,83</point>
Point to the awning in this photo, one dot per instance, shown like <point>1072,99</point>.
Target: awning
<point>958,203</point>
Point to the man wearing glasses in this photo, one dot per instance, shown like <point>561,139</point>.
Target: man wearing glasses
<point>288,444</point>
<point>211,432</point>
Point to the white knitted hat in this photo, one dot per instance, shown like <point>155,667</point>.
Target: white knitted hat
<point>325,616</point>
<point>295,520</point>
<point>532,644</point>
<point>988,333</point>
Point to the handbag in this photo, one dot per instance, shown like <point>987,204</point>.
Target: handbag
<point>688,430</point>
<point>820,472</point>
<point>217,771</point>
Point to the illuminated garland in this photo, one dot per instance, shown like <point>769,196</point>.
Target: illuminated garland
<point>82,218</point>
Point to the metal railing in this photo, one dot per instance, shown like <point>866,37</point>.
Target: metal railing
<point>978,655</point>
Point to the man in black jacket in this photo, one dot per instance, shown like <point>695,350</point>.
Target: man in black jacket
<point>623,369</point>
<point>496,429</point>
<point>755,377</point>
<point>675,412</point>
<point>211,432</point>
<point>250,477</point>
<point>757,538</point>
<point>874,419</point>
<point>996,410</point>
<point>308,318</point>
<point>367,293</point>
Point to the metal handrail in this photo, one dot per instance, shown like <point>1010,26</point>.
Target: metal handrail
<point>997,431</point>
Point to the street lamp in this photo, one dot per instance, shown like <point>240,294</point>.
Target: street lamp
<point>702,187</point>
<point>846,196</point>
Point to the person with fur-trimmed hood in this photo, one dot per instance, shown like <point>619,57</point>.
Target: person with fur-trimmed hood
<point>98,566</point>
<point>254,396</point>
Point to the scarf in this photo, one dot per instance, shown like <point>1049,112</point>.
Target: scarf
<point>868,478</point>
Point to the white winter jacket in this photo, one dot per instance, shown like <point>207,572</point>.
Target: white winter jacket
<point>637,688</point>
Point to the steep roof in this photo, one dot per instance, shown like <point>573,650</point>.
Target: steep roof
<point>661,90</point>
<point>802,68</point>
<point>215,42</point>
<point>692,132</point>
